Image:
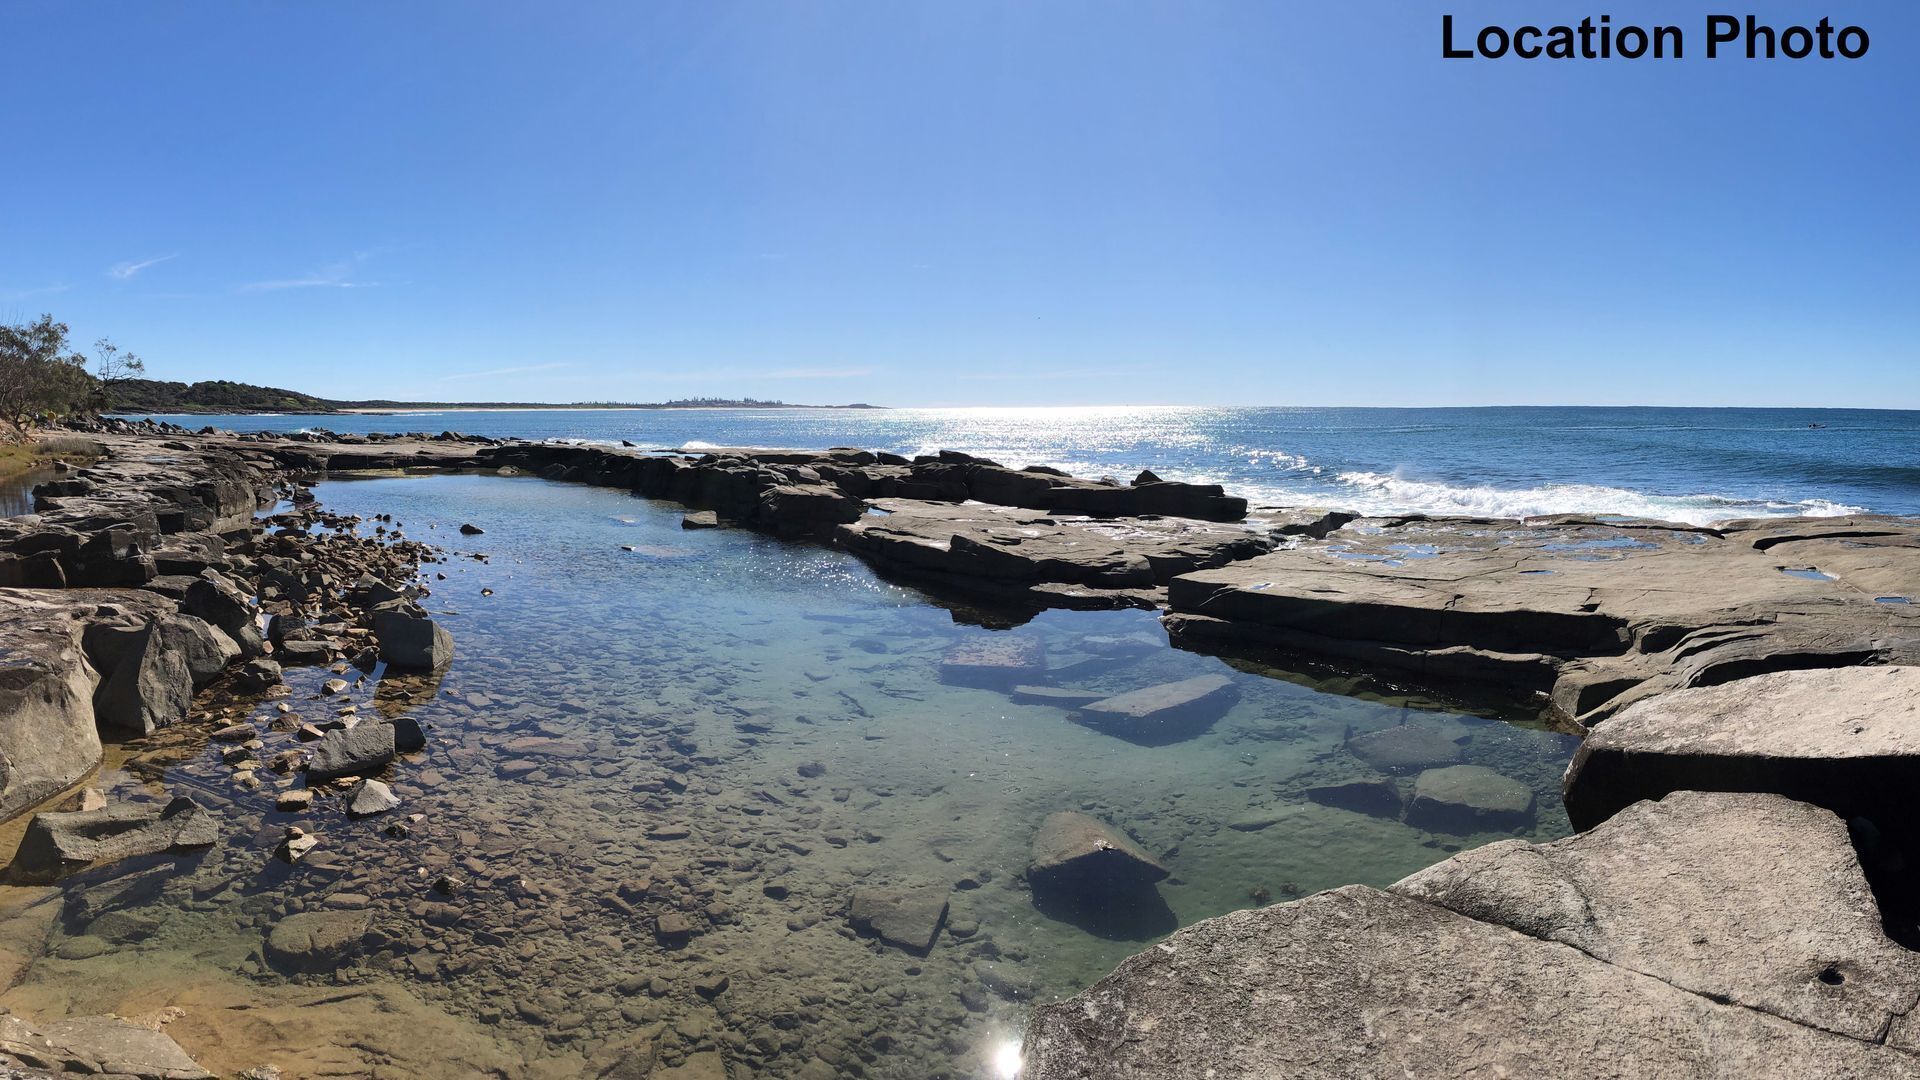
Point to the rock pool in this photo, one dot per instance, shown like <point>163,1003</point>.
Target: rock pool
<point>660,767</point>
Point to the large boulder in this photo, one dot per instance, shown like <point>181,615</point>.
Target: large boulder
<point>1751,899</point>
<point>206,649</point>
<point>1847,739</point>
<point>216,599</point>
<point>58,843</point>
<point>1164,713</point>
<point>412,642</point>
<point>906,918</point>
<point>48,739</point>
<point>361,750</point>
<point>1361,983</point>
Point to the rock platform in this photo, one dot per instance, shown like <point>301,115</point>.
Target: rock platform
<point>1583,615</point>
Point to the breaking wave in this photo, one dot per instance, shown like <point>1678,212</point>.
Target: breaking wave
<point>1375,493</point>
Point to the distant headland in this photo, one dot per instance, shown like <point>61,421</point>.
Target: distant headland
<point>222,396</point>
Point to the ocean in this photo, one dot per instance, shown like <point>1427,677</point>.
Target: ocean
<point>1697,466</point>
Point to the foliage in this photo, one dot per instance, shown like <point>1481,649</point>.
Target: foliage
<point>212,396</point>
<point>39,377</point>
<point>112,369</point>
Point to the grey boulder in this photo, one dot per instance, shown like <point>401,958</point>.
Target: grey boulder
<point>370,797</point>
<point>361,750</point>
<point>1362,983</point>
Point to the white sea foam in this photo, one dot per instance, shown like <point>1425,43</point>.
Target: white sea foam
<point>1386,493</point>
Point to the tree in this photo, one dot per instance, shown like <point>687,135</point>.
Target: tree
<point>112,368</point>
<point>38,376</point>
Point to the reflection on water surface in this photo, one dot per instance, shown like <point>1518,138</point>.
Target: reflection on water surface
<point>662,764</point>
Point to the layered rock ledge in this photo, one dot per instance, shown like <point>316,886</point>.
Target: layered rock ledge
<point>1587,614</point>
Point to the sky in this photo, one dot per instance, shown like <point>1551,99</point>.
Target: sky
<point>963,202</point>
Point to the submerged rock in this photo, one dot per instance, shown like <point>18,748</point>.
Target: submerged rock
<point>1164,713</point>
<point>317,941</point>
<point>907,918</point>
<point>1468,799</point>
<point>1377,796</point>
<point>1058,697</point>
<point>412,642</point>
<point>998,661</point>
<point>1408,748</point>
<point>57,843</point>
<point>1086,872</point>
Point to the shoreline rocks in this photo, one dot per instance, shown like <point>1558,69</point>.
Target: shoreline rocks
<point>1673,941</point>
<point>1847,739</point>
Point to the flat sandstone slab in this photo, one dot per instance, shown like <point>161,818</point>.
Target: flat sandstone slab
<point>1847,739</point>
<point>1361,983</point>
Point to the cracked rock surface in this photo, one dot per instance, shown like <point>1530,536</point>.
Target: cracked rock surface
<point>1705,935</point>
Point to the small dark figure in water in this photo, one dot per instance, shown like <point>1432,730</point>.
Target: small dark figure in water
<point>1261,895</point>
<point>1288,888</point>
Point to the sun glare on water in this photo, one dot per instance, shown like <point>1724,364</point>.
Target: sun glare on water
<point>1006,1060</point>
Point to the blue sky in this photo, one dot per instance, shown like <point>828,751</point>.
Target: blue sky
<point>956,203</point>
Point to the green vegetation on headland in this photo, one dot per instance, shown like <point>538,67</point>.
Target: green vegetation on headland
<point>41,378</point>
<point>221,396</point>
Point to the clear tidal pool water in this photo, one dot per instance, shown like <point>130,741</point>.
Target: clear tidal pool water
<point>634,702</point>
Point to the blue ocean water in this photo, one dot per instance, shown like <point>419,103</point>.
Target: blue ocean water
<point>1697,466</point>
